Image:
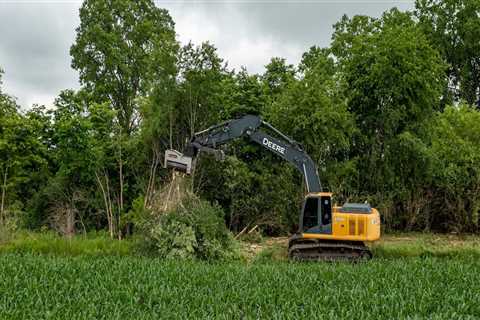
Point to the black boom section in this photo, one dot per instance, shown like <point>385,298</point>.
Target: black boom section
<point>209,139</point>
<point>297,157</point>
<point>225,132</point>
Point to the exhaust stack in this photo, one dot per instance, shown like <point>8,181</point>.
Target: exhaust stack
<point>176,160</point>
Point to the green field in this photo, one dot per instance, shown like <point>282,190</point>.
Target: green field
<point>88,287</point>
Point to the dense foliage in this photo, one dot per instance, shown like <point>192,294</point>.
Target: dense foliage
<point>33,287</point>
<point>453,27</point>
<point>389,112</point>
<point>193,229</point>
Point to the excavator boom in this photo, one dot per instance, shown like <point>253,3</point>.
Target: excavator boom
<point>247,126</point>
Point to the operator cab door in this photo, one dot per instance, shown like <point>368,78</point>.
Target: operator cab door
<point>317,215</point>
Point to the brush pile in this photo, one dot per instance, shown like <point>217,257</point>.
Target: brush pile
<point>183,226</point>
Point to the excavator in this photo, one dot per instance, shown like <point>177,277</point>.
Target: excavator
<point>326,231</point>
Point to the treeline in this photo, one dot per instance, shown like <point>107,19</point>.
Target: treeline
<point>389,112</point>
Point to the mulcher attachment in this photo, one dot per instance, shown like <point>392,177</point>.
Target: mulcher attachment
<point>177,160</point>
<point>184,162</point>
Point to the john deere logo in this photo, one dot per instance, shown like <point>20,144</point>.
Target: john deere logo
<point>273,146</point>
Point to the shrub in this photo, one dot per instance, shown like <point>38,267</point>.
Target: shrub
<point>172,238</point>
<point>8,229</point>
<point>5,234</point>
<point>193,229</point>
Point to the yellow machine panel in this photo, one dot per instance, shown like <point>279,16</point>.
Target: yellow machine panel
<point>351,226</point>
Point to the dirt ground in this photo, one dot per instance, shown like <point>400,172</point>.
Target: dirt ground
<point>252,249</point>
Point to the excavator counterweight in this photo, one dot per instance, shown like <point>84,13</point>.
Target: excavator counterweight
<point>326,232</point>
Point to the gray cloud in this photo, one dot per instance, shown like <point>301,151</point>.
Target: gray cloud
<point>34,49</point>
<point>249,33</point>
<point>310,22</point>
<point>35,37</point>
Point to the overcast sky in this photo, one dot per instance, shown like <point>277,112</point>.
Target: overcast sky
<point>35,36</point>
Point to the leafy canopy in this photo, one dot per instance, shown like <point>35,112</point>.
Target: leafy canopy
<point>121,49</point>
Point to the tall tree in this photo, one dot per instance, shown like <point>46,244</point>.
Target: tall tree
<point>453,27</point>
<point>201,73</point>
<point>454,147</point>
<point>313,111</point>
<point>121,49</point>
<point>9,120</point>
<point>393,80</point>
<point>84,145</point>
<point>23,155</point>
<point>250,98</point>
<point>278,74</point>
<point>198,95</point>
<point>7,103</point>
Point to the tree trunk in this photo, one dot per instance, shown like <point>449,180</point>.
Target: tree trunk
<point>171,130</point>
<point>151,179</point>
<point>121,176</point>
<point>119,223</point>
<point>147,191</point>
<point>111,226</point>
<point>4,187</point>
<point>120,205</point>
<point>70,223</point>
<point>107,201</point>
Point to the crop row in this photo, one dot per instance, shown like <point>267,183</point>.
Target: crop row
<point>34,287</point>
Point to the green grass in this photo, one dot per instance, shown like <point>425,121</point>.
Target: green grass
<point>412,276</point>
<point>87,287</point>
<point>427,245</point>
<point>393,246</point>
<point>52,244</point>
<point>271,249</point>
<point>272,252</point>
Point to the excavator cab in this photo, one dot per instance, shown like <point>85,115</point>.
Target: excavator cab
<point>317,214</point>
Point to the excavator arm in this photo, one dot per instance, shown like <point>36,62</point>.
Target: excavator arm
<point>247,126</point>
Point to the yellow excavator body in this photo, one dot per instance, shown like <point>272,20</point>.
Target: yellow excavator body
<point>350,226</point>
<point>334,232</point>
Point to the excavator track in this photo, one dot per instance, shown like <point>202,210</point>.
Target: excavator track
<point>318,250</point>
